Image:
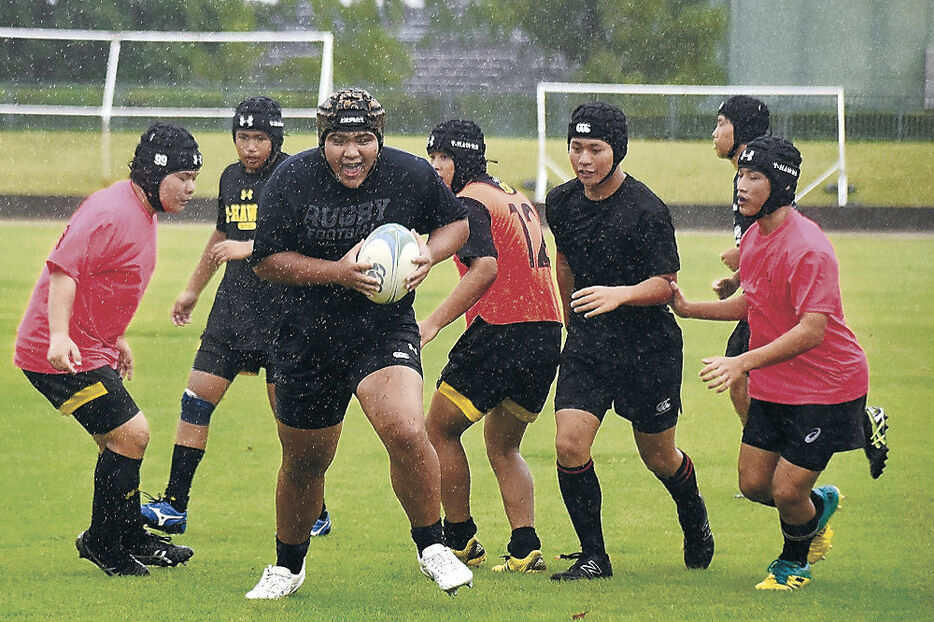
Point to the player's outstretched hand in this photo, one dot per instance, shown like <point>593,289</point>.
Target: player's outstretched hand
<point>721,372</point>
<point>63,354</point>
<point>184,305</point>
<point>679,303</point>
<point>423,261</point>
<point>124,359</point>
<point>725,287</point>
<point>595,300</point>
<point>230,250</point>
<point>730,258</point>
<point>354,274</point>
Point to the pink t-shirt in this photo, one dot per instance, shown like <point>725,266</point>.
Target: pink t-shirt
<point>109,249</point>
<point>785,274</point>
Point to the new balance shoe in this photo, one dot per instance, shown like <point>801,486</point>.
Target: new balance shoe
<point>698,541</point>
<point>471,555</point>
<point>875,425</point>
<point>531,563</point>
<point>785,576</point>
<point>589,566</point>
<point>277,582</point>
<point>820,545</point>
<point>115,563</point>
<point>153,550</point>
<point>439,564</point>
<point>322,526</point>
<point>161,515</point>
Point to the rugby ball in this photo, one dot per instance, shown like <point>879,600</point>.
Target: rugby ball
<point>391,249</point>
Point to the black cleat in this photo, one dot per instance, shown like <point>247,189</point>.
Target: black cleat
<point>154,550</point>
<point>698,539</point>
<point>875,425</point>
<point>116,563</point>
<point>586,566</point>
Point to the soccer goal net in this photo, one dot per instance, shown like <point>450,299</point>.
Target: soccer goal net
<point>69,78</point>
<point>676,122</point>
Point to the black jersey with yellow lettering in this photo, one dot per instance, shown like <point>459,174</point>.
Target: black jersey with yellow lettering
<point>246,308</point>
<point>621,240</point>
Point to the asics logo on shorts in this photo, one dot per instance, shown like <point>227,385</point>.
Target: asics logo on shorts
<point>663,406</point>
<point>812,435</point>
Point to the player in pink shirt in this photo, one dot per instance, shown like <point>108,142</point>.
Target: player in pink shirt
<point>808,376</point>
<point>71,343</point>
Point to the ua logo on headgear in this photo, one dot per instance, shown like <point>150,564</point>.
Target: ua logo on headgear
<point>246,121</point>
<point>196,158</point>
<point>583,128</point>
<point>746,156</point>
<point>431,140</point>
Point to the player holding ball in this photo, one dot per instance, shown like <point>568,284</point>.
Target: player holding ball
<point>334,343</point>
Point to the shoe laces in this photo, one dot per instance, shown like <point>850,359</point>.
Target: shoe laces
<point>275,581</point>
<point>441,562</point>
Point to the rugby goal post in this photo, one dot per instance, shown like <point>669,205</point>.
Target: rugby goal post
<point>106,111</point>
<point>545,164</point>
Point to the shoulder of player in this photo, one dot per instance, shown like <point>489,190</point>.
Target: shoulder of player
<point>391,158</point>
<point>564,192</point>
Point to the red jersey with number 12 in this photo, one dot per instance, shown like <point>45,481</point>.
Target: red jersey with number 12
<point>523,290</point>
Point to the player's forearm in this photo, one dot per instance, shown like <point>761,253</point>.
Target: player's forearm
<point>62,290</point>
<point>466,293</point>
<point>447,240</point>
<point>730,309</point>
<point>293,268</point>
<point>206,266</point>
<point>807,334</point>
<point>651,292</point>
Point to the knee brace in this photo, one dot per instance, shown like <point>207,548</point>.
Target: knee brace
<point>195,410</point>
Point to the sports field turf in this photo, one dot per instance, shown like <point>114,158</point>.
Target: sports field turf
<point>879,569</point>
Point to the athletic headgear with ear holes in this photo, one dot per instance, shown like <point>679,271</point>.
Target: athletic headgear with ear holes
<point>350,110</point>
<point>463,141</point>
<point>604,122</point>
<point>749,116</point>
<point>260,114</point>
<point>163,149</point>
<point>780,161</point>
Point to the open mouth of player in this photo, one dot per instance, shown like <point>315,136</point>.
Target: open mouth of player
<point>352,171</point>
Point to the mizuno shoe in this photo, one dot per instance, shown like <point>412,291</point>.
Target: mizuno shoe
<point>277,582</point>
<point>159,514</point>
<point>785,576</point>
<point>875,425</point>
<point>471,555</point>
<point>440,565</point>
<point>322,526</point>
<point>588,566</point>
<point>114,563</point>
<point>153,550</point>
<point>533,562</point>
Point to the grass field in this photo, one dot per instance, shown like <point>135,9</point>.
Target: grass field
<point>879,568</point>
<point>681,173</point>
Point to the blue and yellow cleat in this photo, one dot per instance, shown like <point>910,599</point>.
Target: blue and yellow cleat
<point>159,514</point>
<point>821,545</point>
<point>785,576</point>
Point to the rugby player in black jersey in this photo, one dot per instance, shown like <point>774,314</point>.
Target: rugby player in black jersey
<point>616,255</point>
<point>334,342</point>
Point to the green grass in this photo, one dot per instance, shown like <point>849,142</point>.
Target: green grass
<point>681,173</point>
<point>879,568</point>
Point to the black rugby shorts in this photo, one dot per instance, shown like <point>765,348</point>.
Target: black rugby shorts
<point>319,398</point>
<point>644,389</point>
<point>97,398</point>
<point>738,343</point>
<point>805,435</point>
<point>491,363</point>
<point>218,359</point>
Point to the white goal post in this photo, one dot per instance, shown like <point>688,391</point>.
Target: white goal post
<point>545,164</point>
<point>106,111</point>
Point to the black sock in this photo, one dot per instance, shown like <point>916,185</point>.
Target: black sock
<point>797,538</point>
<point>457,535</point>
<point>523,541</point>
<point>682,486</point>
<point>426,536</point>
<point>116,482</point>
<point>134,520</point>
<point>185,461</point>
<point>324,510</point>
<point>580,490</point>
<point>291,556</point>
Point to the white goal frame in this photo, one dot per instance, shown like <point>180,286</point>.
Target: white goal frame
<point>106,111</point>
<point>545,164</point>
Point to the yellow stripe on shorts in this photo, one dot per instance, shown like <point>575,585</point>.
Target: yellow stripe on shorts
<point>520,413</point>
<point>82,397</point>
<point>466,406</point>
